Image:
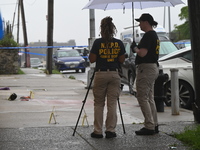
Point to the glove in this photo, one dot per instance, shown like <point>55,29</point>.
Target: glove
<point>133,46</point>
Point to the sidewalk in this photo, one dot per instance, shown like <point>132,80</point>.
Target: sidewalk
<point>25,124</point>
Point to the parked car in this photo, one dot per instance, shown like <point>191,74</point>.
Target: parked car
<point>69,59</point>
<point>166,46</point>
<point>182,60</point>
<point>36,62</point>
<point>84,52</point>
<point>128,67</point>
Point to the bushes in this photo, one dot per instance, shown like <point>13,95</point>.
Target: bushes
<point>8,41</point>
<point>9,58</point>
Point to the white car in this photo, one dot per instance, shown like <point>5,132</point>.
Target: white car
<point>181,60</point>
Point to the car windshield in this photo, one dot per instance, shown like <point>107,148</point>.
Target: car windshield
<point>35,61</point>
<point>71,53</point>
<point>187,55</point>
<point>167,47</point>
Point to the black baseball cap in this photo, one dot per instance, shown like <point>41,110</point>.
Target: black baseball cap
<point>147,17</point>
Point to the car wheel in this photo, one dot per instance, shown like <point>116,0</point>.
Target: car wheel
<point>131,80</point>
<point>83,70</point>
<point>186,94</point>
<point>77,71</point>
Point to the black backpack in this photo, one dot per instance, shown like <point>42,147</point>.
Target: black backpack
<point>12,97</point>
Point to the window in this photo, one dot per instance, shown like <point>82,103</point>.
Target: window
<point>69,53</point>
<point>187,55</point>
<point>62,54</point>
<point>167,47</point>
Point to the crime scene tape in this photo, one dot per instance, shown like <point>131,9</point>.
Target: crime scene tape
<point>30,47</point>
<point>41,54</point>
<point>32,53</point>
<point>182,43</point>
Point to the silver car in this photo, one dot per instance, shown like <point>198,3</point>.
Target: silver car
<point>182,60</point>
<point>36,62</point>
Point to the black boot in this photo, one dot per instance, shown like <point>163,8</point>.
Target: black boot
<point>145,131</point>
<point>94,135</point>
<point>156,129</point>
<point>110,134</point>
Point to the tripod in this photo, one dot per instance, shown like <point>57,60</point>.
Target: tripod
<point>121,111</point>
<point>84,101</point>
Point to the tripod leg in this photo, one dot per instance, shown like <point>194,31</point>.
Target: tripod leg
<point>121,116</point>
<point>83,103</point>
<point>79,117</point>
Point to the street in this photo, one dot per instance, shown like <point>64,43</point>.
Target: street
<point>84,77</point>
<point>78,76</point>
<point>66,96</point>
<point>47,120</point>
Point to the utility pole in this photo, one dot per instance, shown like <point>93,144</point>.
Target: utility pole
<point>169,15</point>
<point>92,23</point>
<point>164,18</point>
<point>194,20</point>
<point>90,42</point>
<point>50,36</point>
<point>27,56</point>
<point>18,20</point>
<point>13,20</point>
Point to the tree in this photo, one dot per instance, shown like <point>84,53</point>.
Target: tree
<point>8,39</point>
<point>182,31</point>
<point>71,42</point>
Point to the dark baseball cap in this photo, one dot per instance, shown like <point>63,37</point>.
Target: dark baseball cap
<point>147,17</point>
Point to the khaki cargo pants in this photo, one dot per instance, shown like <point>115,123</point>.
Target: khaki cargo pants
<point>106,84</point>
<point>147,73</point>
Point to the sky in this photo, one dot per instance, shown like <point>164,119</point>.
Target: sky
<point>71,22</point>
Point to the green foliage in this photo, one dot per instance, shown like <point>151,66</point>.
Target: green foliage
<point>190,136</point>
<point>54,71</point>
<point>20,71</point>
<point>182,31</point>
<point>72,77</point>
<point>184,13</point>
<point>8,41</point>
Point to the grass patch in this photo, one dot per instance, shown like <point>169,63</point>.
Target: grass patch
<point>53,71</point>
<point>72,77</point>
<point>190,136</point>
<point>56,72</point>
<point>20,71</point>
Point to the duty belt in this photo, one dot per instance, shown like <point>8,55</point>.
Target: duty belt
<point>112,69</point>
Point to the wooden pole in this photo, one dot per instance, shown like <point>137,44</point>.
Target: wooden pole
<point>27,56</point>
<point>194,20</point>
<point>18,20</point>
<point>50,36</point>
